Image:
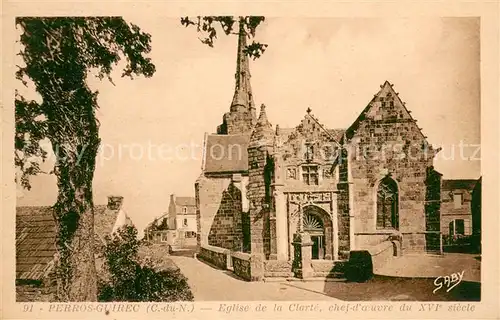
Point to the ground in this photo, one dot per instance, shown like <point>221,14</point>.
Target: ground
<point>210,284</point>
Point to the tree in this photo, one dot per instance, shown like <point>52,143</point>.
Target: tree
<point>164,224</point>
<point>135,280</point>
<point>206,25</point>
<point>59,54</point>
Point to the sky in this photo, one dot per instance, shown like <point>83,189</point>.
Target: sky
<point>152,129</point>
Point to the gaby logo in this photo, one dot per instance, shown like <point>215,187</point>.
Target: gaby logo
<point>449,282</point>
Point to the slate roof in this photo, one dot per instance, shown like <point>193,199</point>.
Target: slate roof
<point>455,184</point>
<point>35,242</point>
<point>158,220</point>
<point>36,238</point>
<point>226,153</point>
<point>185,201</point>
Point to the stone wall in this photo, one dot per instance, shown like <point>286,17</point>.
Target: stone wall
<point>327,268</point>
<point>382,254</point>
<point>365,241</point>
<point>34,292</point>
<point>343,209</point>
<point>414,242</point>
<point>226,228</point>
<point>277,268</point>
<point>236,123</point>
<point>409,175</point>
<point>242,265</point>
<point>219,257</point>
<point>386,142</point>
<point>259,205</point>
<point>219,213</point>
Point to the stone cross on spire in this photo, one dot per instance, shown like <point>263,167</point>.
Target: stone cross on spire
<point>242,99</point>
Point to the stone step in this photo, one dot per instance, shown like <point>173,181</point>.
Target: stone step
<point>316,279</point>
<point>293,279</point>
<point>335,275</point>
<point>283,274</point>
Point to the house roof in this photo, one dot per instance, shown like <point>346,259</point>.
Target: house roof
<point>185,201</point>
<point>454,184</point>
<point>35,242</point>
<point>226,153</point>
<point>36,238</point>
<point>157,219</point>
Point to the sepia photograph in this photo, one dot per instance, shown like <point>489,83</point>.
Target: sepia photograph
<point>247,158</point>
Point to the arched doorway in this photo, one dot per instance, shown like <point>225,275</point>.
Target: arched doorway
<point>319,226</point>
<point>387,204</point>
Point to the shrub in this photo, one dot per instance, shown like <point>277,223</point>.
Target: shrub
<point>360,267</point>
<point>135,280</point>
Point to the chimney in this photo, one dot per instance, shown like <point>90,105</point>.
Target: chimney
<point>115,202</point>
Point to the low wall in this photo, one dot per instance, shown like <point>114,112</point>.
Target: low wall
<point>383,253</point>
<point>219,257</point>
<point>366,240</point>
<point>327,268</point>
<point>277,268</point>
<point>242,265</point>
<point>34,293</point>
<point>414,242</point>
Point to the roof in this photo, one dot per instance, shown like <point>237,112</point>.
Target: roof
<point>104,220</point>
<point>185,201</point>
<point>160,218</point>
<point>226,153</point>
<point>369,110</point>
<point>454,184</point>
<point>35,242</point>
<point>36,238</point>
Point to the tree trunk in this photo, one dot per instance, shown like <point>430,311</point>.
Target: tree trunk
<point>74,212</point>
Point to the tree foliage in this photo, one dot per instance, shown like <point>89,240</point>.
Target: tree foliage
<point>59,54</point>
<point>207,27</point>
<point>131,279</point>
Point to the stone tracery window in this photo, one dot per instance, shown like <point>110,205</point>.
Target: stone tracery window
<point>310,174</point>
<point>387,204</point>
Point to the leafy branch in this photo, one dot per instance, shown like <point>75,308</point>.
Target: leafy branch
<point>207,26</point>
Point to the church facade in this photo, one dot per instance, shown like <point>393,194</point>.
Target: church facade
<point>347,189</point>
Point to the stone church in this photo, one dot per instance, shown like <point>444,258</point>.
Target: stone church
<point>265,189</point>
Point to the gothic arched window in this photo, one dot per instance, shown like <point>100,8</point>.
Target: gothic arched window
<point>387,204</point>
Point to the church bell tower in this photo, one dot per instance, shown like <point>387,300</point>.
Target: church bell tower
<point>241,117</point>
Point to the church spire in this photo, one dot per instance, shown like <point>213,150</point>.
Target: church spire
<point>241,117</point>
<point>242,99</point>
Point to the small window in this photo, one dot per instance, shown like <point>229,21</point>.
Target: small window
<point>310,175</point>
<point>185,222</point>
<point>459,227</point>
<point>457,200</point>
<point>164,237</point>
<point>309,152</point>
<point>184,210</point>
